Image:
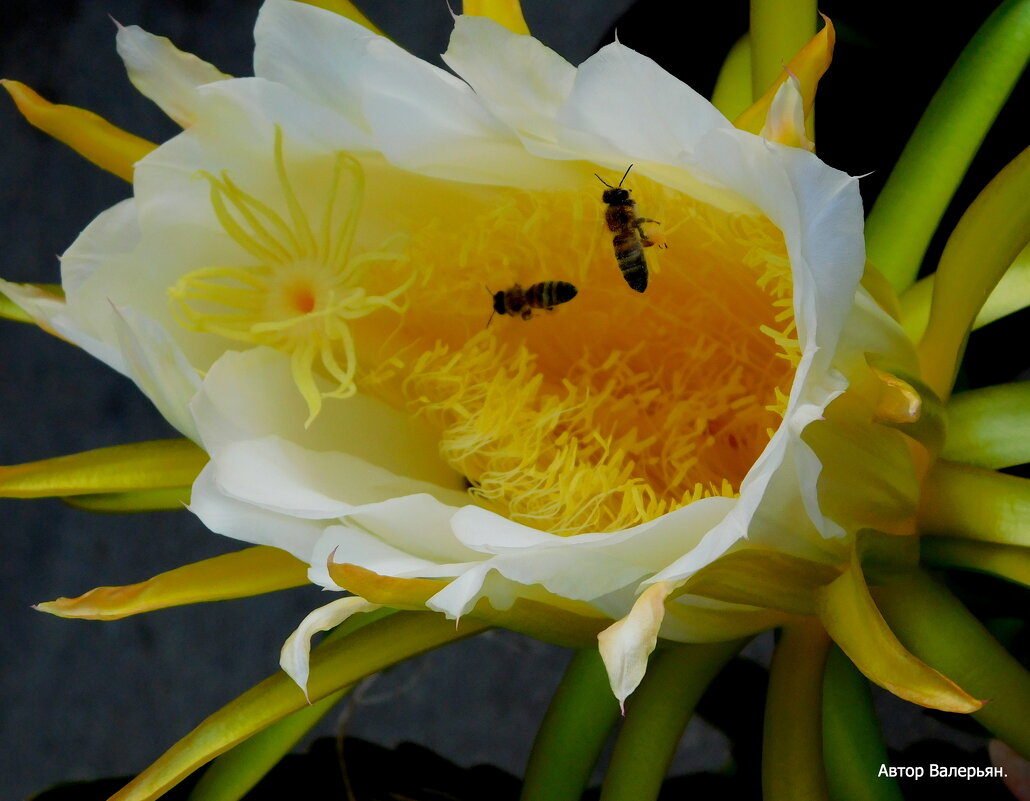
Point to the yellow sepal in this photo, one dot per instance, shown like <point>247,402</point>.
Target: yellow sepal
<point>162,499</point>
<point>344,8</point>
<point>252,571</point>
<point>808,66</point>
<point>552,619</point>
<point>88,134</point>
<point>333,666</point>
<point>122,468</point>
<point>849,614</point>
<point>761,577</point>
<point>504,12</point>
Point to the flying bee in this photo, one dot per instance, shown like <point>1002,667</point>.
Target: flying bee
<point>630,238</point>
<point>519,302</point>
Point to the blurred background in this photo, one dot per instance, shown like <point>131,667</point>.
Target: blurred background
<point>81,700</point>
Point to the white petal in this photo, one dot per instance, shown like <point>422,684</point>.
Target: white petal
<point>588,566</point>
<point>520,80</point>
<point>164,73</point>
<point>626,645</point>
<point>295,655</point>
<point>250,395</point>
<point>158,366</point>
<point>625,98</point>
<point>276,474</point>
<point>350,545</point>
<point>326,67</point>
<point>249,523</point>
<point>419,116</point>
<point>111,231</point>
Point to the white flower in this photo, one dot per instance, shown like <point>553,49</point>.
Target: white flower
<point>315,246</point>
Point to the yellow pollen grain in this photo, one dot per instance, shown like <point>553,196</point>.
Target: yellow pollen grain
<point>615,407</point>
<point>302,286</point>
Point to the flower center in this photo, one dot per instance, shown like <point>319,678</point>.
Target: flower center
<point>615,407</point>
<point>301,287</point>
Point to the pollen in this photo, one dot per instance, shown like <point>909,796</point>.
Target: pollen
<point>300,282</point>
<point>616,407</point>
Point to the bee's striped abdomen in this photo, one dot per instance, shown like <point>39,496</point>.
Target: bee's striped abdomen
<point>519,302</point>
<point>630,239</point>
<point>629,252</point>
<point>548,294</point>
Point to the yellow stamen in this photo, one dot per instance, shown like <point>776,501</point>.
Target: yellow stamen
<point>302,287</point>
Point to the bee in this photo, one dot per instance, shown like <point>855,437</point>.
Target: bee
<point>630,238</point>
<point>519,302</point>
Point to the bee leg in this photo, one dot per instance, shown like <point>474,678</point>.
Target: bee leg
<point>645,240</point>
<point>527,313</point>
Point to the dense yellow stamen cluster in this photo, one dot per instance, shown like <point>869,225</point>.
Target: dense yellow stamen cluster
<point>302,288</point>
<point>617,407</point>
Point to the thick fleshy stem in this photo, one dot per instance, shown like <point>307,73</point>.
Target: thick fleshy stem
<point>853,748</point>
<point>657,715</point>
<point>938,629</point>
<point>779,28</point>
<point>573,733</point>
<point>792,743</point>
<point>732,93</point>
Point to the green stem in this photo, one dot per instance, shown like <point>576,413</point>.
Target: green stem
<point>656,716</point>
<point>853,748</point>
<point>969,502</point>
<point>232,775</point>
<point>779,28</point>
<point>918,191</point>
<point>937,628</point>
<point>990,427</point>
<point>732,93</point>
<point>573,733</point>
<point>792,743</point>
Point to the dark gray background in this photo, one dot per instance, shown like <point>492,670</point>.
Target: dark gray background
<point>81,700</point>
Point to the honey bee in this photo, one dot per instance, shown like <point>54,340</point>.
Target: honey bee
<point>630,238</point>
<point>519,302</point>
